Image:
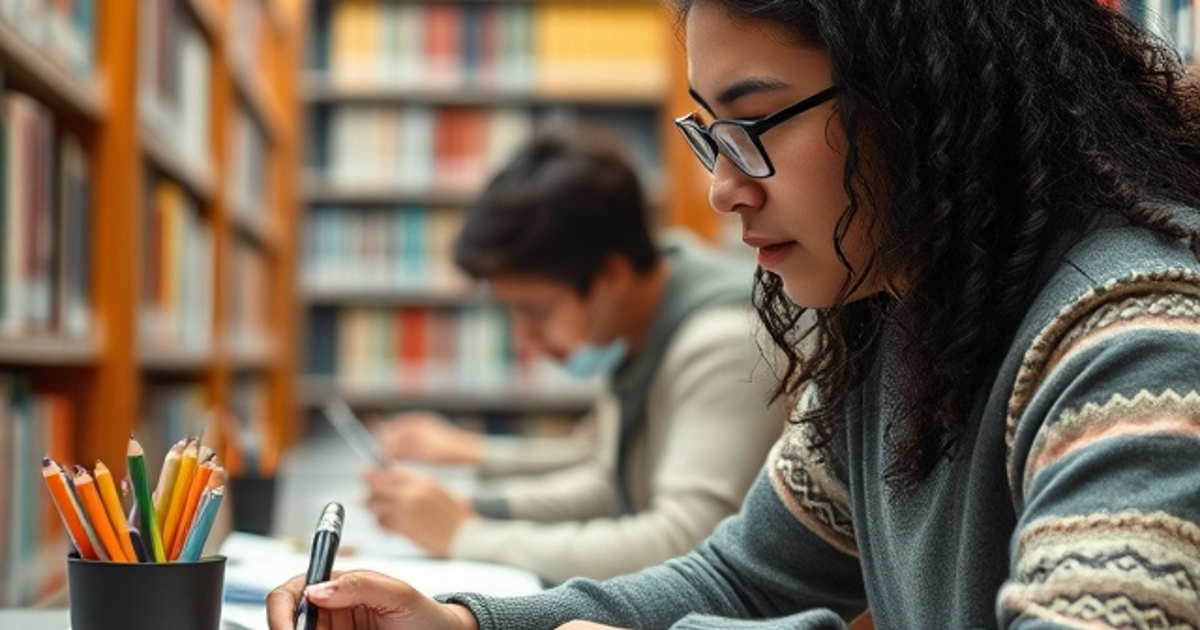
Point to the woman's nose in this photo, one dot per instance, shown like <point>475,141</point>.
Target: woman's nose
<point>731,190</point>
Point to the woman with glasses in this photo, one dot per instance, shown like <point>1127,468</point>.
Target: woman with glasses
<point>989,209</point>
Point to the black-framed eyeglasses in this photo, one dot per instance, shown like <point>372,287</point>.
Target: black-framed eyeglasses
<point>738,140</point>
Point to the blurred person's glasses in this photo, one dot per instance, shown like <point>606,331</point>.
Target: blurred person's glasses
<point>738,140</point>
<point>536,314</point>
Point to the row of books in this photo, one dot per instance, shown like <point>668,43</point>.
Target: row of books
<point>549,47</point>
<point>174,82</point>
<point>465,349</point>
<point>249,297</point>
<point>65,32</point>
<point>421,146</point>
<point>248,173</point>
<point>381,248</point>
<point>177,282</point>
<point>33,545</point>
<point>45,212</point>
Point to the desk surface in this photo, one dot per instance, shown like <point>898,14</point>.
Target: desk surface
<point>27,619</point>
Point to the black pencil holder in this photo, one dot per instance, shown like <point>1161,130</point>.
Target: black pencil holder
<point>146,595</point>
<point>253,504</point>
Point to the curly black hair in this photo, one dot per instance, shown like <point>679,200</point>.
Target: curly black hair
<point>995,130</point>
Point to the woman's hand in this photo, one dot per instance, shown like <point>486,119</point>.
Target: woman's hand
<point>365,600</point>
<point>430,438</point>
<point>417,506</point>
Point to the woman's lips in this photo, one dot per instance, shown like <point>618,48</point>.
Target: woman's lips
<point>770,256</point>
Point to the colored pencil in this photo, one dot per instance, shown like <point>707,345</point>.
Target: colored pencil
<point>199,482</point>
<point>179,493</point>
<point>112,505</point>
<point>61,495</point>
<point>210,502</point>
<point>166,480</point>
<point>93,508</point>
<point>141,487</point>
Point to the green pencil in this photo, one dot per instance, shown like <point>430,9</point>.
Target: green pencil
<point>145,503</point>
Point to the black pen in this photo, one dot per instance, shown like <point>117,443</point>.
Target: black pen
<point>320,560</point>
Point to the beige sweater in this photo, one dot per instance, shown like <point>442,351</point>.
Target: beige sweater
<point>707,433</point>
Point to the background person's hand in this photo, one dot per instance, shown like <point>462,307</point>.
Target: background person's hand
<point>429,438</point>
<point>417,506</point>
<point>365,600</point>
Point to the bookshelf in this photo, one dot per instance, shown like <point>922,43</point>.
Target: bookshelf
<point>410,105</point>
<point>149,150</point>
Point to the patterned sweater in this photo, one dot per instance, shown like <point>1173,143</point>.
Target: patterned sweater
<point>1073,500</point>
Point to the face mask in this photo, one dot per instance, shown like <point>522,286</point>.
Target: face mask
<point>589,360</point>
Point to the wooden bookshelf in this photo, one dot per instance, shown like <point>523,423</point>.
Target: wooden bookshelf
<point>105,375</point>
<point>360,79</point>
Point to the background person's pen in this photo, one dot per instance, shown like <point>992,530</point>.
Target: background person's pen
<point>320,560</point>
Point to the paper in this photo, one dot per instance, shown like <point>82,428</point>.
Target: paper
<point>258,564</point>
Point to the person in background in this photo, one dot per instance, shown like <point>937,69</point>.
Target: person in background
<point>991,210</point>
<point>561,236</point>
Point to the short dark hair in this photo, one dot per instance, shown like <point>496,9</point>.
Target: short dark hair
<point>564,203</point>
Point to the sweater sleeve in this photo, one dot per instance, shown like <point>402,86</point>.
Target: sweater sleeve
<point>505,455</point>
<point>761,565</point>
<point>1105,432</point>
<point>717,429</point>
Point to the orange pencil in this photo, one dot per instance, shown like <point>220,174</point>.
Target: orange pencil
<point>199,482</point>
<point>179,493</point>
<point>72,522</point>
<point>112,505</point>
<point>85,487</point>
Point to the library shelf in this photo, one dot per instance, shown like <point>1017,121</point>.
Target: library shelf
<point>319,190</point>
<point>264,231</point>
<point>317,390</point>
<point>49,350</point>
<point>396,297</point>
<point>26,68</point>
<point>318,89</point>
<point>198,179</point>
<point>166,359</point>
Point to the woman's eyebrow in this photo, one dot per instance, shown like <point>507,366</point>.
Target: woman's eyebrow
<point>739,89</point>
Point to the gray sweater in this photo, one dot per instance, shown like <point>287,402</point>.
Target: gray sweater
<point>1073,500</point>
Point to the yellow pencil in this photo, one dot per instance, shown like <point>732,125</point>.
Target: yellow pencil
<point>166,479</point>
<point>85,487</point>
<point>112,505</point>
<point>179,493</point>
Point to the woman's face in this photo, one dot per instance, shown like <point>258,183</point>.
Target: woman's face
<point>742,69</point>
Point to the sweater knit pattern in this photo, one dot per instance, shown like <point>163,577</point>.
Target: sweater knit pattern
<point>1107,570</point>
<point>809,488</point>
<point>1134,301</point>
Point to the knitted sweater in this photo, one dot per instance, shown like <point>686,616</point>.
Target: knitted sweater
<point>1073,500</point>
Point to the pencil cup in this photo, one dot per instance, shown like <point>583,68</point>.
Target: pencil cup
<point>146,596</point>
<point>253,504</point>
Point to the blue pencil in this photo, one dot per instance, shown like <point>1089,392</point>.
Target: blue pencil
<point>206,513</point>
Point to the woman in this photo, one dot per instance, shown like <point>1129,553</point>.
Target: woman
<point>989,208</point>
